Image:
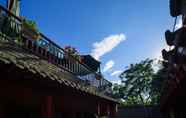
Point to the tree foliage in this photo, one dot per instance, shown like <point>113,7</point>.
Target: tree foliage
<point>157,83</point>
<point>140,85</point>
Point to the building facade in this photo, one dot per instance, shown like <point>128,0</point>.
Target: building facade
<point>39,79</point>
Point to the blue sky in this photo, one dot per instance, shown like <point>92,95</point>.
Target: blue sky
<point>135,28</point>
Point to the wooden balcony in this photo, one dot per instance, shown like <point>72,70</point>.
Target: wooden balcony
<point>11,30</point>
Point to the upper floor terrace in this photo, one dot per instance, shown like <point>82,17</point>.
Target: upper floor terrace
<point>84,69</point>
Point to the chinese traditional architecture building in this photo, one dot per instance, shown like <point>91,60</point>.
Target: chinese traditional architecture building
<point>38,79</point>
<point>173,92</point>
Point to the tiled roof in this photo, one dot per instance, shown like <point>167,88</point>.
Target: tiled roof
<point>11,53</point>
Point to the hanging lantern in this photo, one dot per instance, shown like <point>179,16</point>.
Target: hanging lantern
<point>169,37</point>
<point>165,55</point>
<point>175,7</point>
<point>168,55</point>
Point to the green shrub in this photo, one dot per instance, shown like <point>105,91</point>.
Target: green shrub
<point>30,25</point>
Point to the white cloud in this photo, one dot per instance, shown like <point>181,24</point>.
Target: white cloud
<point>106,45</point>
<point>118,81</point>
<point>117,72</point>
<point>108,65</point>
<point>179,23</point>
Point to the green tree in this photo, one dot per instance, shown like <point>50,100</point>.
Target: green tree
<point>136,81</point>
<point>136,84</point>
<point>140,84</point>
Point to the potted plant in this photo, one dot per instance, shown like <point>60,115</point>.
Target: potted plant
<point>30,30</point>
<point>73,52</point>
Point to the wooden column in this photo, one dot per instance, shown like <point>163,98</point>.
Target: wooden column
<point>108,110</point>
<point>114,111</point>
<point>47,107</point>
<point>98,109</point>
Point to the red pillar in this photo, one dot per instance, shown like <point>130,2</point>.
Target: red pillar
<point>108,110</point>
<point>47,109</point>
<point>114,111</point>
<point>98,109</point>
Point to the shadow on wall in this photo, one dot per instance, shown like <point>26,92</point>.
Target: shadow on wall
<point>139,112</point>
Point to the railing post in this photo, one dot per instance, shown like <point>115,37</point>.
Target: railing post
<point>98,109</point>
<point>78,68</point>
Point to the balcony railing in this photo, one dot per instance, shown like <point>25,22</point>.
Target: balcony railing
<point>11,28</point>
